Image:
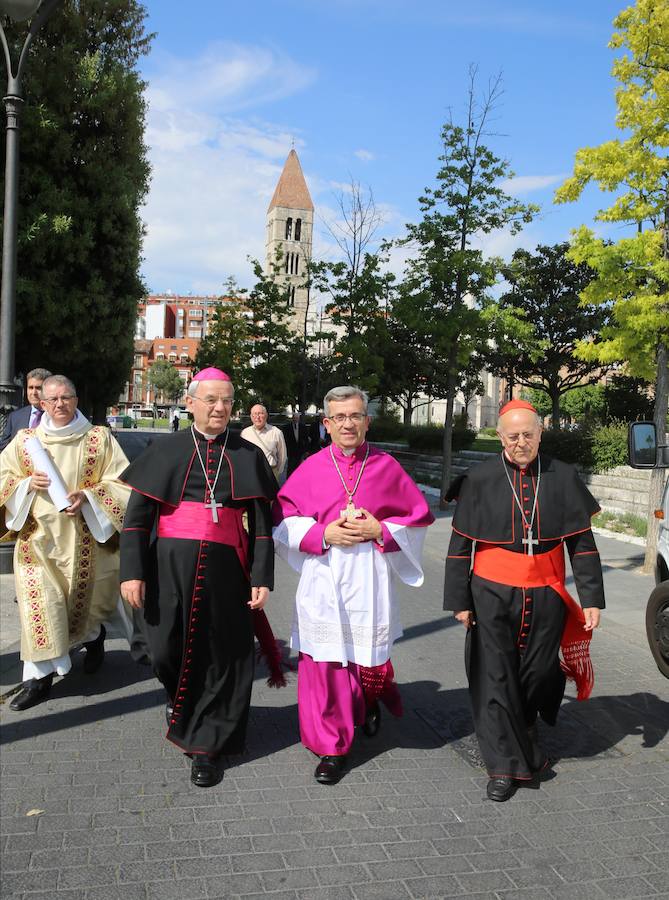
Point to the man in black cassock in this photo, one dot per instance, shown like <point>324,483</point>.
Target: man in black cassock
<point>203,580</point>
<point>517,512</point>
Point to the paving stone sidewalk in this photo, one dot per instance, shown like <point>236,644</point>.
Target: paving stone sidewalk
<point>96,805</point>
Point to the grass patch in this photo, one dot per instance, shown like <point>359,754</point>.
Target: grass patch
<point>486,444</point>
<point>623,523</point>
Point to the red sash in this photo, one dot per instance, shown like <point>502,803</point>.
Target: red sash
<point>544,570</point>
<point>193,521</point>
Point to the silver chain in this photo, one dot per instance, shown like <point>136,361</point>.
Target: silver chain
<point>529,525</point>
<point>211,487</point>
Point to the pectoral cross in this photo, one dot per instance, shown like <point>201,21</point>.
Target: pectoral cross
<point>528,541</point>
<point>351,512</point>
<point>214,507</point>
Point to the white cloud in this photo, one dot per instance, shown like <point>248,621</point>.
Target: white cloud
<point>364,155</point>
<point>526,184</point>
<point>213,172</point>
<point>227,77</point>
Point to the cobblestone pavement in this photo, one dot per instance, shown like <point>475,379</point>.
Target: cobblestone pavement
<point>96,805</point>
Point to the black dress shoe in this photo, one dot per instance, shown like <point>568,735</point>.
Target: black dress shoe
<point>33,692</point>
<point>330,769</point>
<point>169,712</point>
<point>501,789</point>
<point>372,720</point>
<point>95,652</point>
<point>206,771</point>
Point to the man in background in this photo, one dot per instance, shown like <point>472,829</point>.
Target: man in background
<point>318,433</point>
<point>268,437</point>
<point>297,441</point>
<point>27,416</point>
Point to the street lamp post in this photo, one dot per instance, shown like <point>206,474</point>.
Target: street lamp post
<point>19,11</point>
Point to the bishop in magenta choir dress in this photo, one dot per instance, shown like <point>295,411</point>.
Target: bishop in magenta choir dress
<point>352,523</point>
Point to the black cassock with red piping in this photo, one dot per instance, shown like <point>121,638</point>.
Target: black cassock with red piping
<point>199,562</point>
<point>512,652</point>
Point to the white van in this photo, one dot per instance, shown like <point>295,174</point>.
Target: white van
<point>645,452</point>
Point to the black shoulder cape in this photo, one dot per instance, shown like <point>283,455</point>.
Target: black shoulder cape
<point>161,470</point>
<point>485,505</point>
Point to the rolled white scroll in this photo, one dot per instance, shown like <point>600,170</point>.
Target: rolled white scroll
<point>43,463</point>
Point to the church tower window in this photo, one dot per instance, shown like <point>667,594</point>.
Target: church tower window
<point>298,229</point>
<point>289,228</point>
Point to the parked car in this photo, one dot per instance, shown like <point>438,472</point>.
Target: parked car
<point>646,452</point>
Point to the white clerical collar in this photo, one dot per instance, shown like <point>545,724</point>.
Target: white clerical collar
<point>209,437</point>
<point>78,424</point>
<point>349,451</point>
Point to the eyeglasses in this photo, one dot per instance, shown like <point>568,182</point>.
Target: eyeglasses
<point>528,435</point>
<point>64,398</point>
<point>212,401</point>
<point>340,418</point>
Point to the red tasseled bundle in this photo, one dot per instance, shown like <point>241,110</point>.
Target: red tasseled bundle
<point>269,649</point>
<point>575,646</point>
<point>378,683</point>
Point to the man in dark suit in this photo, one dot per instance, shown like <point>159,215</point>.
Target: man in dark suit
<point>318,434</point>
<point>28,416</point>
<point>297,441</point>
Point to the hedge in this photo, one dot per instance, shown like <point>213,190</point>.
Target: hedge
<point>597,450</point>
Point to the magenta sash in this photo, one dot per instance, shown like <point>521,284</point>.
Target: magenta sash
<point>192,521</point>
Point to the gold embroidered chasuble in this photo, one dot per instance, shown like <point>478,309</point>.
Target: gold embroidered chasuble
<point>66,582</point>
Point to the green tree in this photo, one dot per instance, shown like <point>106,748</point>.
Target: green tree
<point>627,399</point>
<point>586,404</point>
<point>228,344</point>
<point>539,400</point>
<point>84,176</point>
<point>632,274</point>
<point>358,289</point>
<point>276,372</point>
<point>448,277</point>
<point>165,378</point>
<point>546,286</point>
<point>408,376</point>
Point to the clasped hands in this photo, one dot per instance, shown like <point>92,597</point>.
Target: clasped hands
<point>345,532</point>
<point>40,481</point>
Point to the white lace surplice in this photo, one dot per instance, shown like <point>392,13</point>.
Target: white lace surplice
<point>346,608</point>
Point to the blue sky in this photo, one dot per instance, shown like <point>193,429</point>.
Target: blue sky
<point>363,87</point>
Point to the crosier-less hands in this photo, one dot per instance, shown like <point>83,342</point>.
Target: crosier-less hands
<point>591,614</point>
<point>134,592</point>
<point>345,532</point>
<point>40,481</point>
<point>466,616</point>
<point>259,597</point>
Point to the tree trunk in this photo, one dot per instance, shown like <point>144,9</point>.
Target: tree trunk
<point>555,410</point>
<point>448,440</point>
<point>407,412</point>
<point>657,476</point>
